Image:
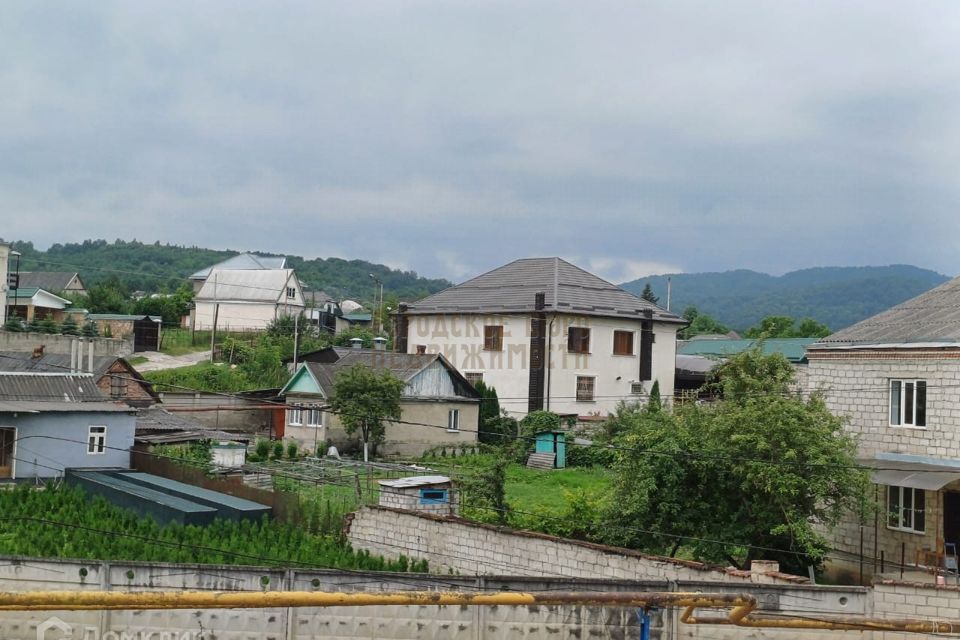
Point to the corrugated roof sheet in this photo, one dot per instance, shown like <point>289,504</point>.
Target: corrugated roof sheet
<point>794,349</point>
<point>53,387</point>
<point>121,316</point>
<point>414,481</point>
<point>50,362</point>
<point>512,289</point>
<point>243,261</point>
<point>157,418</point>
<point>932,317</point>
<point>247,285</point>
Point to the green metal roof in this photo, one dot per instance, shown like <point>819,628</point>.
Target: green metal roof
<point>794,349</point>
<point>358,317</point>
<point>26,292</point>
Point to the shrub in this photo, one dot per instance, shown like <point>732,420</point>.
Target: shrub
<point>262,449</point>
<point>277,450</point>
<point>292,450</point>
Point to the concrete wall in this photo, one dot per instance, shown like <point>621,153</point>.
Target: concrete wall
<point>220,411</point>
<point>460,340</point>
<point>386,623</point>
<point>470,547</point>
<point>10,341</point>
<point>241,316</point>
<point>49,442</point>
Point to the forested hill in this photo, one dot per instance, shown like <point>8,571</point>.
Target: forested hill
<point>835,296</point>
<point>152,267</point>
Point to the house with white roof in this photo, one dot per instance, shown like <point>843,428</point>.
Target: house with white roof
<point>547,335</point>
<point>241,262</point>
<point>895,377</point>
<point>246,299</point>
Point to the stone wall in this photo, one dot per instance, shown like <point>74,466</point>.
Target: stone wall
<point>460,545</point>
<point>855,387</point>
<point>11,341</point>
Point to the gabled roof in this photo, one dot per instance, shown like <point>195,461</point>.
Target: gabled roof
<point>243,261</point>
<point>932,317</point>
<point>404,366</point>
<point>512,289</point>
<point>38,392</point>
<point>19,361</point>
<point>249,286</point>
<point>38,297</point>
<point>55,281</point>
<point>794,349</point>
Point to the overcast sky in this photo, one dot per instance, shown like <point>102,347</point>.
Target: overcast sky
<point>449,137</point>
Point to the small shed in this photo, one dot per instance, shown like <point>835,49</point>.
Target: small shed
<point>430,494</point>
<point>555,443</point>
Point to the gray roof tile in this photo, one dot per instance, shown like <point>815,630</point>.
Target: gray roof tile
<point>932,317</point>
<point>512,289</point>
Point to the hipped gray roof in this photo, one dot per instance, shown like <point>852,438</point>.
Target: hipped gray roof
<point>512,288</point>
<point>932,317</point>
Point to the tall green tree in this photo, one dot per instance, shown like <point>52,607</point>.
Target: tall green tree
<point>648,294</point>
<point>750,477</point>
<point>786,327</point>
<point>365,399</point>
<point>109,296</point>
<point>700,323</point>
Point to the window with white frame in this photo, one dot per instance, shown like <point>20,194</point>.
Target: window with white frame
<point>908,403</point>
<point>905,509</point>
<point>97,440</point>
<point>295,415</point>
<point>453,420</point>
<point>314,417</point>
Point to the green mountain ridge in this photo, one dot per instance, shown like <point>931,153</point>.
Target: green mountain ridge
<point>157,267</point>
<point>835,296</point>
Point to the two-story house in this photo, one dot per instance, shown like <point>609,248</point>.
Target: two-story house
<point>895,377</point>
<point>547,335</point>
<point>246,299</point>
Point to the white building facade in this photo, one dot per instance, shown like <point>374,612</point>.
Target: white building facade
<point>589,345</point>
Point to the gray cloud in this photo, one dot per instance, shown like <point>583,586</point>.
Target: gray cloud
<point>451,137</point>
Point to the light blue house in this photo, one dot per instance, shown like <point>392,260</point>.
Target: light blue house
<point>50,422</point>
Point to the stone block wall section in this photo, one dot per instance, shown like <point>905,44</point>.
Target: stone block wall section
<point>855,385</point>
<point>480,549</point>
<point>10,341</point>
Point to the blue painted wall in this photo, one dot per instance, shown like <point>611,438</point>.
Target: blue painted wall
<point>38,456</point>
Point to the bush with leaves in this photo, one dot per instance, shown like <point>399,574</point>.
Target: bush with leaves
<point>13,324</point>
<point>761,471</point>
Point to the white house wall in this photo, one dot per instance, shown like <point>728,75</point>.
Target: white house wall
<point>240,316</point>
<point>460,339</point>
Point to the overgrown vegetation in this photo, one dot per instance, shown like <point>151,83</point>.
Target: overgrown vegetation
<point>64,522</point>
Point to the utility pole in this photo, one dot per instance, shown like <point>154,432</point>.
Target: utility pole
<point>377,308</point>
<point>296,339</point>
<point>216,312</point>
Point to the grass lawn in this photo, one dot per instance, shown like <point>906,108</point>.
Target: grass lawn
<point>135,360</point>
<point>529,489</point>
<point>178,342</point>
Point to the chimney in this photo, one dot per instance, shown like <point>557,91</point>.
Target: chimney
<point>90,360</point>
<point>356,343</point>
<point>380,343</point>
<point>73,356</point>
<point>421,349</point>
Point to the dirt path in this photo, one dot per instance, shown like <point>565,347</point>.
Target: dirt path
<point>157,361</point>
